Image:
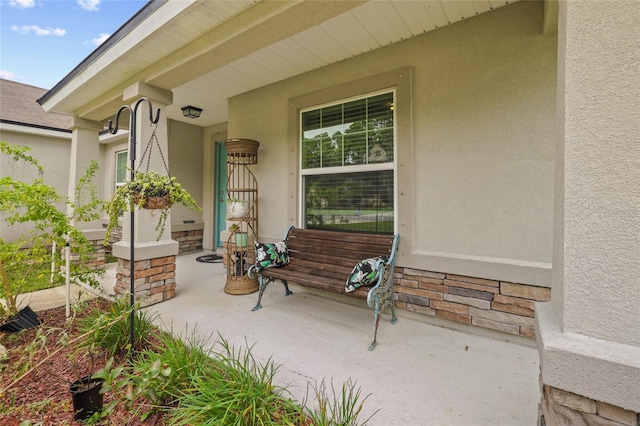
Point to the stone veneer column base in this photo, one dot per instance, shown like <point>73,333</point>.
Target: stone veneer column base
<point>559,407</point>
<point>585,380</point>
<point>155,279</point>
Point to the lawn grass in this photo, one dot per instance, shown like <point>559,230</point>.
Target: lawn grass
<point>40,278</point>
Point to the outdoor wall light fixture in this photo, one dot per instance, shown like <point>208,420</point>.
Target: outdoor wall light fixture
<point>191,111</point>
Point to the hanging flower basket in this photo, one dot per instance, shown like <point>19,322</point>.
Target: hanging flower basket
<point>148,190</point>
<point>152,202</point>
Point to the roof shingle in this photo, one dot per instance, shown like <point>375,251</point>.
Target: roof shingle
<point>18,104</point>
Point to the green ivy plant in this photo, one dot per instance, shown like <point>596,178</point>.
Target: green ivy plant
<point>39,206</point>
<point>134,193</point>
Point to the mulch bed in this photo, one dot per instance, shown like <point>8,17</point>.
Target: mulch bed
<point>43,395</point>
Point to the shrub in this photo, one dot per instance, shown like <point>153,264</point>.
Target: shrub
<point>110,329</point>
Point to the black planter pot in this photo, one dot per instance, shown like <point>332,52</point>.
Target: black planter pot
<point>25,318</point>
<point>86,397</point>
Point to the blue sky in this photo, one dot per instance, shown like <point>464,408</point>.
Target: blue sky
<point>41,41</point>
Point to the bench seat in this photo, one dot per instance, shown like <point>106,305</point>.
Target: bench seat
<point>325,259</point>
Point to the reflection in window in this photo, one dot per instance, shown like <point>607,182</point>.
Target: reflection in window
<point>348,165</point>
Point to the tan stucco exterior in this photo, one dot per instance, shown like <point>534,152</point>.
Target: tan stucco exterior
<point>475,151</point>
<point>52,150</point>
<point>589,334</point>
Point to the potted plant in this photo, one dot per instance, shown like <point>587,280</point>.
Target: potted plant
<point>87,396</point>
<point>147,190</point>
<point>236,208</point>
<point>38,205</point>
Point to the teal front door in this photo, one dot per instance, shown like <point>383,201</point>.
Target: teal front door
<point>220,186</point>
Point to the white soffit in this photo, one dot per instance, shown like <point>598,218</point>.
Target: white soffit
<point>375,24</point>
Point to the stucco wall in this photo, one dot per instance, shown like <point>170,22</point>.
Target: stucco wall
<point>597,276</point>
<point>478,143</point>
<point>185,152</point>
<point>53,155</point>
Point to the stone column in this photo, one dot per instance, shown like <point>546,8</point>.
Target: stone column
<point>85,148</point>
<point>589,333</point>
<point>154,257</point>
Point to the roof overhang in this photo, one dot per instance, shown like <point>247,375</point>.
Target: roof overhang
<point>206,52</point>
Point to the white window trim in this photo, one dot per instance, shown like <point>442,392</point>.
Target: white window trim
<point>115,168</point>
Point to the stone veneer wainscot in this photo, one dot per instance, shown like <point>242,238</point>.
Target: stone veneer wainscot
<point>499,305</point>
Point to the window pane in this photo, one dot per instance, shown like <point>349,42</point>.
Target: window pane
<point>121,167</point>
<point>358,202</point>
<point>355,146</point>
<point>380,146</point>
<point>332,151</point>
<point>380,107</point>
<point>354,133</point>
<point>311,152</point>
<point>310,121</point>
<point>332,118</point>
<point>355,111</point>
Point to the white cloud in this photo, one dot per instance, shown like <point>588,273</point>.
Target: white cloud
<point>100,39</point>
<point>26,29</point>
<point>8,75</point>
<point>22,4</point>
<point>89,4</point>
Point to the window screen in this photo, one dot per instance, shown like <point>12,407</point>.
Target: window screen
<point>359,202</point>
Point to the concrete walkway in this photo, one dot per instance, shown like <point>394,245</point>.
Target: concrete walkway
<point>419,374</point>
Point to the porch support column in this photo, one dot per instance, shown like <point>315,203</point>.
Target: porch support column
<point>589,333</point>
<point>154,257</point>
<point>85,148</point>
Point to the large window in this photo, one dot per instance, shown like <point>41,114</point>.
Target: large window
<point>348,165</point>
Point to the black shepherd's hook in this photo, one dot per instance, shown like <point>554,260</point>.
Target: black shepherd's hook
<point>133,112</point>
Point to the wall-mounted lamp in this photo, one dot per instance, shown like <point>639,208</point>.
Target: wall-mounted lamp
<point>191,111</point>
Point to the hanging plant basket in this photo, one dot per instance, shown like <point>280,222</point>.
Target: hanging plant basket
<point>148,190</point>
<point>153,202</point>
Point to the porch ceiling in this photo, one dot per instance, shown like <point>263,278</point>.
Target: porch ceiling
<point>206,52</point>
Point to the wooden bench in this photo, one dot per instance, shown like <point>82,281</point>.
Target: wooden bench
<point>325,259</point>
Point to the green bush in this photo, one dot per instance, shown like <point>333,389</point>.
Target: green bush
<point>185,360</point>
<point>50,218</point>
<point>235,390</point>
<point>110,329</point>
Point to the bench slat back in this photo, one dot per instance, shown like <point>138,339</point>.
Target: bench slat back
<point>336,247</point>
<point>324,259</point>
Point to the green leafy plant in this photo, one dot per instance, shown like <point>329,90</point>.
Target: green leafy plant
<point>109,329</point>
<point>235,390</point>
<point>185,359</point>
<point>338,408</point>
<point>136,192</point>
<point>51,218</point>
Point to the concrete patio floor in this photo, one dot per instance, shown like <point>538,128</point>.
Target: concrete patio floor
<point>423,372</point>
